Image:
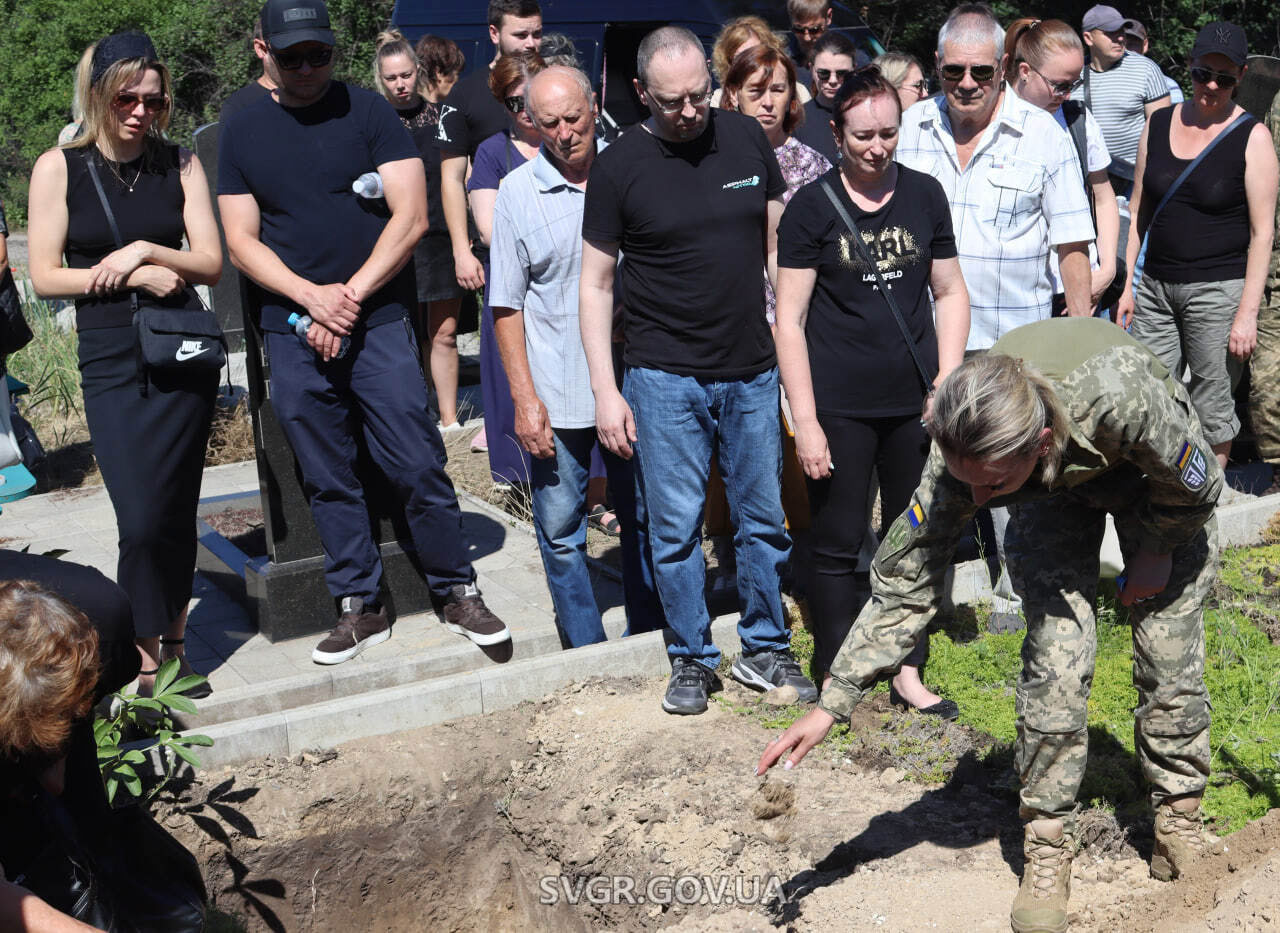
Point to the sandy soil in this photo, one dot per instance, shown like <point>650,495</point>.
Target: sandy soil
<point>493,823</point>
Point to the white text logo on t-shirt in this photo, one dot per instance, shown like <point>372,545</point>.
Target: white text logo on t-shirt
<point>442,135</point>
<point>742,183</point>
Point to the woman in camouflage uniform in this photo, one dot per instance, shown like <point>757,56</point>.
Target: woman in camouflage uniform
<point>1072,419</point>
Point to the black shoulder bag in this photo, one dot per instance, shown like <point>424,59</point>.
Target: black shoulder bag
<point>865,255</point>
<point>170,340</point>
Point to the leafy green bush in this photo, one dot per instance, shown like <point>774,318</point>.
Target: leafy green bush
<point>152,716</point>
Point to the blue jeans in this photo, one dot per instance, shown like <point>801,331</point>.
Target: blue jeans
<point>559,494</point>
<point>679,420</point>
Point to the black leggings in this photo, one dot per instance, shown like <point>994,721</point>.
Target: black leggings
<point>896,448</point>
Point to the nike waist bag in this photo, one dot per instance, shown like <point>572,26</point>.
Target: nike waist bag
<point>180,341</point>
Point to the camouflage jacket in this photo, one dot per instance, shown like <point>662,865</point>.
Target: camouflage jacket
<point>1125,410</point>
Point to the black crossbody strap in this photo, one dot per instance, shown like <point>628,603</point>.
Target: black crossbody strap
<point>91,162</point>
<point>866,257</point>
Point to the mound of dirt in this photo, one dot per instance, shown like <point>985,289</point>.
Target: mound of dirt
<point>592,810</point>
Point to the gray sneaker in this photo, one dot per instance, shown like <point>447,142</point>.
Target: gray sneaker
<point>355,631</point>
<point>772,668</point>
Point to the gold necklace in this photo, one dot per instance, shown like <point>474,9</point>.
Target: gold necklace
<point>120,178</point>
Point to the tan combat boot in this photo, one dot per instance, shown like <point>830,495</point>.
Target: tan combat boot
<point>1041,904</point>
<point>1180,838</point>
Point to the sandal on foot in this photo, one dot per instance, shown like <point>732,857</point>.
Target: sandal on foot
<point>611,526</point>
<point>199,691</point>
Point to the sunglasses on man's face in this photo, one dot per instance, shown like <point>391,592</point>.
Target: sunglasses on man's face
<point>825,75</point>
<point>127,102</point>
<point>1202,75</point>
<point>292,61</point>
<point>809,32</point>
<point>515,104</point>
<point>980,73</point>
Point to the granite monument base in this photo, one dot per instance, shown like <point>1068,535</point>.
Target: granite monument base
<point>288,600</point>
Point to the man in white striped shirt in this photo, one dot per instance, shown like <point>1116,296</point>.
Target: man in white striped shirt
<point>1013,179</point>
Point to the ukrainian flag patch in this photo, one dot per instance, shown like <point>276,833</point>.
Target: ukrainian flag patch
<point>1192,466</point>
<point>915,516</point>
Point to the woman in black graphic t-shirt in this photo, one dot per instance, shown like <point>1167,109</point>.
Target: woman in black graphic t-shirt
<point>856,398</point>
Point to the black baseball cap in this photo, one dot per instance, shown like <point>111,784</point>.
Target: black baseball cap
<point>288,22</point>
<point>1223,39</point>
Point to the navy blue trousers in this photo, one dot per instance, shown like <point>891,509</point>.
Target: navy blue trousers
<point>377,388</point>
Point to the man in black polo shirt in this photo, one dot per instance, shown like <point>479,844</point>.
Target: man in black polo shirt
<point>469,116</point>
<point>317,249</point>
<point>692,198</point>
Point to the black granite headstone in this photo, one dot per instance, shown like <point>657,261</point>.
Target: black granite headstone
<point>287,596</point>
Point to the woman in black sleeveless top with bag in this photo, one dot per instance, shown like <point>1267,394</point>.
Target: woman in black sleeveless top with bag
<point>1208,247</point>
<point>149,429</point>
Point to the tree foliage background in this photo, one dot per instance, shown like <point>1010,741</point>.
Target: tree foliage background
<point>205,43</point>
<point>1171,24</point>
<point>206,46</point>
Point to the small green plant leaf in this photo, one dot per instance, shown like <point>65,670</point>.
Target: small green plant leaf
<point>166,675</point>
<point>183,684</point>
<point>135,757</point>
<point>196,739</point>
<point>185,754</point>
<point>108,752</point>
<point>177,701</point>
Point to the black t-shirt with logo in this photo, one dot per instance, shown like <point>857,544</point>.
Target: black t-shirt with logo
<point>469,115</point>
<point>690,220</point>
<point>861,365</point>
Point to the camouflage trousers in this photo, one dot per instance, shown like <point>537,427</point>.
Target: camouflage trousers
<point>1053,562</point>
<point>1264,381</point>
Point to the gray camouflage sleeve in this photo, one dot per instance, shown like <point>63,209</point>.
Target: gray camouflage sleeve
<point>907,580</point>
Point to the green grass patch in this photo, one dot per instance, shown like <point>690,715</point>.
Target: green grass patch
<point>980,672</point>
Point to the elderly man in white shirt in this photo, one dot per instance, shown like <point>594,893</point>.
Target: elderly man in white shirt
<point>1012,177</point>
<point>1013,180</point>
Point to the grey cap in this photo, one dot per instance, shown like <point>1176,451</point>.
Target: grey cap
<point>1106,18</point>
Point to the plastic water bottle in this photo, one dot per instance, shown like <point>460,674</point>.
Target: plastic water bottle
<point>368,185</point>
<point>301,323</point>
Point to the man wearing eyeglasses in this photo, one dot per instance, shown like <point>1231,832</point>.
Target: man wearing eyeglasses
<point>1122,89</point>
<point>1012,178</point>
<point>692,198</point>
<point>809,20</point>
<point>295,227</point>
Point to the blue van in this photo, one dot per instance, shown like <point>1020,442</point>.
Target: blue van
<point>606,34</point>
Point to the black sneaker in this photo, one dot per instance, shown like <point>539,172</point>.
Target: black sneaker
<point>688,688</point>
<point>466,614</point>
<point>771,668</point>
<point>355,631</point>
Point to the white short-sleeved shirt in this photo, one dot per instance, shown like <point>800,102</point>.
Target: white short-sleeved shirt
<point>1020,196</point>
<point>1098,158</point>
<point>535,259</point>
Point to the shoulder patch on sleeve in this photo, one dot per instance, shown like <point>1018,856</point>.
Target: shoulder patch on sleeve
<point>1191,466</point>
<point>915,515</point>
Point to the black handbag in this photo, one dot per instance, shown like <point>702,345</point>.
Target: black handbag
<point>117,871</point>
<point>14,330</point>
<point>177,341</point>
